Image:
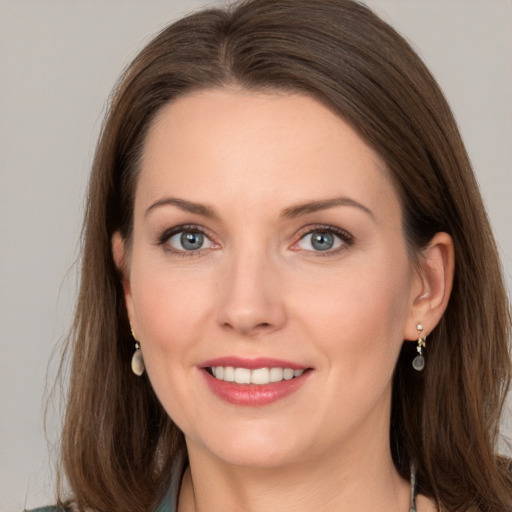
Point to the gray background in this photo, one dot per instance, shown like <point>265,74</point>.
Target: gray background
<point>58,62</point>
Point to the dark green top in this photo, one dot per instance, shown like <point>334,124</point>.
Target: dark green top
<point>46,509</point>
<point>167,505</point>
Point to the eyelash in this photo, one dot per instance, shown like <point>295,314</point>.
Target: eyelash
<point>346,238</point>
<point>169,233</point>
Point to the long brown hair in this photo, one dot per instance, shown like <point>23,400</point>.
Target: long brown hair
<point>118,444</point>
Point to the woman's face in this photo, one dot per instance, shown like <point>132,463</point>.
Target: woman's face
<point>267,244</point>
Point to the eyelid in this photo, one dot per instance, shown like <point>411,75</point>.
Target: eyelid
<point>346,238</point>
<point>167,234</point>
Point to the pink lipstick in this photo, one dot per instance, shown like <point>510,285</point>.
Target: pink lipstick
<point>253,382</point>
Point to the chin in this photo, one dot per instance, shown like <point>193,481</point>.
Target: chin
<point>256,458</point>
<point>254,448</point>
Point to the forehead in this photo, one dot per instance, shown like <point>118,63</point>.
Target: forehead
<point>258,146</point>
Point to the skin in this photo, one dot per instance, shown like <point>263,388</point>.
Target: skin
<point>259,288</point>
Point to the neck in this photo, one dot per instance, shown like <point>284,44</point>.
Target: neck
<point>360,481</point>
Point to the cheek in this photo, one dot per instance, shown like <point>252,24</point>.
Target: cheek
<point>357,321</point>
<point>172,314</point>
<point>166,305</point>
<point>358,315</point>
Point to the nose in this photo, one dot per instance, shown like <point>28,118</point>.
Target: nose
<point>251,300</point>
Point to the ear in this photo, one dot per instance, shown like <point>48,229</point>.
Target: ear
<point>120,255</point>
<point>432,286</point>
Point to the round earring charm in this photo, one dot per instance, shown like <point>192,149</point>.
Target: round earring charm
<point>418,363</point>
<point>137,361</point>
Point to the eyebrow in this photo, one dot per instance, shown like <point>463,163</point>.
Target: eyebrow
<point>290,213</point>
<point>324,204</point>
<point>182,204</point>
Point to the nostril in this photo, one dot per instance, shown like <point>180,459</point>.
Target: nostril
<point>248,329</point>
<point>249,317</point>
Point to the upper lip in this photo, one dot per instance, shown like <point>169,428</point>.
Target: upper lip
<point>252,363</point>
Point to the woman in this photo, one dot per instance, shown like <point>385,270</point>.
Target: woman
<point>279,198</point>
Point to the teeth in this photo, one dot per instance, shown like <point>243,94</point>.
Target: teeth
<point>288,374</point>
<point>229,373</point>
<point>259,376</point>
<point>276,374</point>
<point>242,375</point>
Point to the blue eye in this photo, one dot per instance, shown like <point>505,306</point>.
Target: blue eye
<point>191,241</point>
<point>188,240</point>
<point>322,240</point>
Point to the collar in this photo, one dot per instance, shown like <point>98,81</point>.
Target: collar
<point>169,502</point>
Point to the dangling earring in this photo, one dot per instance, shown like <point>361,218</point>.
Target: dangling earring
<point>137,360</point>
<point>418,363</point>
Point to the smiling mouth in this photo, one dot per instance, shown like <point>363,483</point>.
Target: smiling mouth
<point>257,376</point>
